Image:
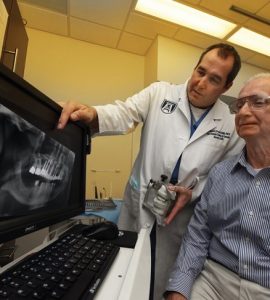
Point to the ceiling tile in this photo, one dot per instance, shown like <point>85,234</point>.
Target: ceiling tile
<point>251,6</point>
<point>222,8</point>
<point>261,61</point>
<point>195,38</point>
<point>106,12</point>
<point>265,12</point>
<point>42,19</point>
<point>244,53</point>
<point>149,27</point>
<point>258,27</point>
<point>93,33</point>
<point>134,44</point>
<point>188,1</point>
<point>58,6</point>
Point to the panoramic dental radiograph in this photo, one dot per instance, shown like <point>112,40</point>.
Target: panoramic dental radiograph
<point>35,170</point>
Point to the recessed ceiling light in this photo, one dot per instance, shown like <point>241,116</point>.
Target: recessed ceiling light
<point>186,16</point>
<point>251,40</point>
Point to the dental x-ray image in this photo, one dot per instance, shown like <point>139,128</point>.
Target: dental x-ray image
<point>35,170</point>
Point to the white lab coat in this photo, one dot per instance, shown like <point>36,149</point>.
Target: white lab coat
<point>165,136</point>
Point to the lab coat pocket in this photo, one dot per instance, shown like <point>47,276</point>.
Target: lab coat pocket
<point>210,153</point>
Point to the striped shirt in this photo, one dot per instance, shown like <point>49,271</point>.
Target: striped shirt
<point>231,225</point>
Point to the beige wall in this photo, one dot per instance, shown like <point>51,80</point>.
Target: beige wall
<point>151,64</point>
<point>176,60</point>
<point>66,69</point>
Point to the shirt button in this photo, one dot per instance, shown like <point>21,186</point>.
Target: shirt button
<point>247,239</point>
<point>258,183</point>
<point>251,213</point>
<point>245,267</point>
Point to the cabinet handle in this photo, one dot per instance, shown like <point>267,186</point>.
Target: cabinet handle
<point>15,53</point>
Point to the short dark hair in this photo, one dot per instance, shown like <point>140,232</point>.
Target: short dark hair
<point>225,50</point>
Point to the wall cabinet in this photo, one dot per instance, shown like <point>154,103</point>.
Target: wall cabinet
<point>16,40</point>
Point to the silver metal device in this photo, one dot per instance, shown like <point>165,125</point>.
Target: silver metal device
<point>158,199</point>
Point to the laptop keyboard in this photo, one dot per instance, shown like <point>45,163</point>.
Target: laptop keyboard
<point>73,267</point>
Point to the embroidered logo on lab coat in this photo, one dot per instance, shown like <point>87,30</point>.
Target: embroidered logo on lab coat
<point>220,135</point>
<point>168,106</point>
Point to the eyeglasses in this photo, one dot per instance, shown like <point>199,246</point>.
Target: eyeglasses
<point>254,102</point>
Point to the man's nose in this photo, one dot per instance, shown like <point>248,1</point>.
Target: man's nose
<point>202,82</point>
<point>245,108</point>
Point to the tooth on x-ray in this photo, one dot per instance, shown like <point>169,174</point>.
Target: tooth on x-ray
<point>32,170</point>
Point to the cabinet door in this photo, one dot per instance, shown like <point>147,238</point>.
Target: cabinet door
<point>16,40</point>
<point>8,4</point>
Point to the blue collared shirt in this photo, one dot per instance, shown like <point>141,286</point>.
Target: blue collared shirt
<point>231,225</point>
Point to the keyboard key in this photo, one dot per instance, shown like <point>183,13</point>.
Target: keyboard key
<point>33,283</point>
<point>4,292</point>
<point>57,294</point>
<point>69,268</point>
<point>55,278</point>
<point>39,293</point>
<point>24,291</point>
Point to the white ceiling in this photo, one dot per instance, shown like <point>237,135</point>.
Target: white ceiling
<point>115,23</point>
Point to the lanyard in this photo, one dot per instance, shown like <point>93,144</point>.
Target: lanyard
<point>193,126</point>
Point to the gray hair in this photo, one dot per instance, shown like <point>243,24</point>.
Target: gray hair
<point>258,76</point>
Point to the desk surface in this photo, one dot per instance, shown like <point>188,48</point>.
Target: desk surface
<point>129,276</point>
<point>115,278</point>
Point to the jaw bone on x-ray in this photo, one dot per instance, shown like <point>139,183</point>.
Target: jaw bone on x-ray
<point>35,170</point>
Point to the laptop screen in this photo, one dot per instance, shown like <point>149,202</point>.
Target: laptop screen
<point>42,169</point>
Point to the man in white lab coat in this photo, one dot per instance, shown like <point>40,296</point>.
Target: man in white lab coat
<point>186,130</point>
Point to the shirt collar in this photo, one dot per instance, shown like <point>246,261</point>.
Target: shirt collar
<point>241,161</point>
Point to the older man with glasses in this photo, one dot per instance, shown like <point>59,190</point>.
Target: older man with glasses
<point>226,249</point>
